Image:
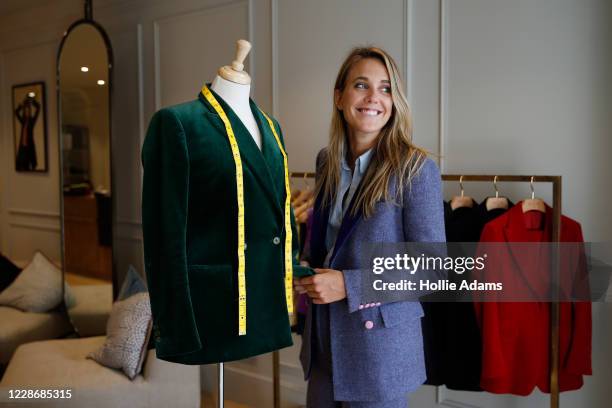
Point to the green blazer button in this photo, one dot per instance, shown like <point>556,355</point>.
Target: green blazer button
<point>276,240</point>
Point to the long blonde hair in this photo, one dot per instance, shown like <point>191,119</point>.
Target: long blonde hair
<point>394,154</point>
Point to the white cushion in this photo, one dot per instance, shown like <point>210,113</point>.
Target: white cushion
<point>38,288</point>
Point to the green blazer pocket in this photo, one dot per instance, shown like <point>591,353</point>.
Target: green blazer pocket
<point>214,300</point>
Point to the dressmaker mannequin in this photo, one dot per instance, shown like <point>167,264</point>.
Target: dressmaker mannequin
<point>234,85</point>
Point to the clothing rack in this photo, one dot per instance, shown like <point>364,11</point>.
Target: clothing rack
<point>556,238</point>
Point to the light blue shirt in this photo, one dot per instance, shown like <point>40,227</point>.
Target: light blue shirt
<point>349,181</point>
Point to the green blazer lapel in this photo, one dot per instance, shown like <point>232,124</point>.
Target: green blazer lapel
<point>250,154</point>
<point>271,153</point>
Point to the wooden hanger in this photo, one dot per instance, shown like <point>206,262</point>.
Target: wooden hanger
<point>533,204</point>
<point>462,200</point>
<point>497,201</point>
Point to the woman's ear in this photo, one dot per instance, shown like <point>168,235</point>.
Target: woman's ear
<point>337,98</point>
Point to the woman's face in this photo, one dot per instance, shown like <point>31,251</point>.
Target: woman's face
<point>366,99</point>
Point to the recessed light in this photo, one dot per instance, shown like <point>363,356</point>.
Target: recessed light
<point>31,94</point>
<point>84,69</point>
<point>101,82</point>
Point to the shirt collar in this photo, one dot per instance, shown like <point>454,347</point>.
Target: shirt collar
<point>361,163</point>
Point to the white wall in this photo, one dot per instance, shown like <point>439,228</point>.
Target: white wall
<point>517,87</point>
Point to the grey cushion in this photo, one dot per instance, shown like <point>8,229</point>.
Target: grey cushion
<point>38,288</point>
<point>127,333</point>
<point>132,284</point>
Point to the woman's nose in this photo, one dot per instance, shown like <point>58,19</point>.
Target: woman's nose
<point>371,96</point>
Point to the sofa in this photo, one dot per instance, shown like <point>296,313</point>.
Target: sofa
<point>62,365</point>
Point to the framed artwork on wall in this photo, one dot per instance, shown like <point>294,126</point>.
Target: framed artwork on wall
<point>30,127</point>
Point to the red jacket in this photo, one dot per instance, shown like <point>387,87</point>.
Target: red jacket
<point>516,335</point>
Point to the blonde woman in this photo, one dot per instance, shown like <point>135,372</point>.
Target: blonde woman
<point>373,185</point>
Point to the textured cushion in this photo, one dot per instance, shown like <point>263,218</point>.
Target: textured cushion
<point>38,288</point>
<point>132,284</point>
<point>8,272</point>
<point>127,333</point>
<point>18,327</point>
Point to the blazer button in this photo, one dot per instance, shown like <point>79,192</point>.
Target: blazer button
<point>276,240</point>
<point>369,325</point>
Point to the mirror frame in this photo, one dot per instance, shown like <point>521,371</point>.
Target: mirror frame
<point>109,51</point>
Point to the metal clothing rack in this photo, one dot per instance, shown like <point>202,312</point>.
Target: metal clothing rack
<point>556,238</point>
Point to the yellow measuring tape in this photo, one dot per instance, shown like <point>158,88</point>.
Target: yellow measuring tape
<point>240,198</point>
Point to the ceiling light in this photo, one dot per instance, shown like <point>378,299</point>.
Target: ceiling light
<point>31,94</point>
<point>101,82</point>
<point>84,69</point>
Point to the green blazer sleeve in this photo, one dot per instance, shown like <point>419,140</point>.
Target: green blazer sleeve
<point>164,221</point>
<point>298,270</point>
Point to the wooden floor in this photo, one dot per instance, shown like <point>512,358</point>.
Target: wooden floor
<point>74,279</point>
<point>209,402</point>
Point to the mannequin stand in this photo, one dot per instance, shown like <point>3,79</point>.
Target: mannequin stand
<point>220,385</point>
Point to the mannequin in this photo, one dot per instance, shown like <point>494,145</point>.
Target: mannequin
<point>216,221</point>
<point>234,86</point>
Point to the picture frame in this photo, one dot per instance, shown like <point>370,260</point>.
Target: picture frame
<point>30,127</point>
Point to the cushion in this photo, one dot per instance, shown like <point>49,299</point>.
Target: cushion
<point>38,288</point>
<point>8,272</point>
<point>132,284</point>
<point>127,333</point>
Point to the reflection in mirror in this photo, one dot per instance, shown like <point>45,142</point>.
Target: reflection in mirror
<point>87,210</point>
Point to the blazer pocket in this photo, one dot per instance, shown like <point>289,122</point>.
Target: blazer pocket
<point>396,313</point>
<point>211,285</point>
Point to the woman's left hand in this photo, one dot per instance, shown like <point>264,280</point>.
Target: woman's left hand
<point>327,286</point>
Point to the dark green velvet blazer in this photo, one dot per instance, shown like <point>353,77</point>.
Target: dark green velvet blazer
<point>189,222</point>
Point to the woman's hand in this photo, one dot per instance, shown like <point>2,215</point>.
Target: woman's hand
<point>327,286</point>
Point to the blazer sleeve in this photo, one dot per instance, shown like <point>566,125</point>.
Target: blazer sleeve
<point>298,270</point>
<point>422,221</point>
<point>164,222</point>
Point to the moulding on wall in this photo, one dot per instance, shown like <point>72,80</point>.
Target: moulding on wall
<point>39,227</point>
<point>274,53</point>
<point>443,84</point>
<point>32,213</point>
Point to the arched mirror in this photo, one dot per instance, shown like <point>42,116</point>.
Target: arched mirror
<point>84,78</point>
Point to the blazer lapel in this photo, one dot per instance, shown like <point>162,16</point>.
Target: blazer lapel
<point>346,227</point>
<point>249,151</point>
<point>271,153</point>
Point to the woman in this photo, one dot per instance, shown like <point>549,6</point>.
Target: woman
<point>373,185</point>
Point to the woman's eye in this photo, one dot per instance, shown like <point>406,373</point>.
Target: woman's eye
<point>361,85</point>
<point>386,89</point>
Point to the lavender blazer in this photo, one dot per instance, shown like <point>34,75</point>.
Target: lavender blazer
<point>377,352</point>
